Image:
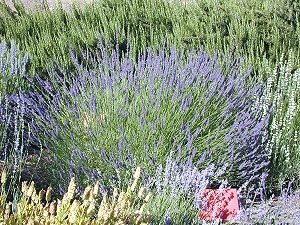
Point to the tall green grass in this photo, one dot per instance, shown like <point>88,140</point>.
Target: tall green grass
<point>252,28</point>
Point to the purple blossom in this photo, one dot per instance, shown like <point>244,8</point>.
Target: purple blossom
<point>161,98</point>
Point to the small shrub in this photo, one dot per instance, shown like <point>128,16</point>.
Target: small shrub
<point>282,96</point>
<point>18,139</point>
<point>177,188</point>
<point>15,134</point>
<point>116,113</point>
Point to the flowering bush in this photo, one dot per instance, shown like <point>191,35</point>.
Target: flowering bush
<point>14,132</point>
<point>282,96</point>
<point>177,189</point>
<point>283,209</point>
<point>115,114</point>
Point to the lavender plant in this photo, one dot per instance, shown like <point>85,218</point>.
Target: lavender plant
<point>12,68</point>
<point>16,118</point>
<point>283,209</point>
<point>177,188</point>
<point>13,139</point>
<point>282,96</point>
<point>13,142</point>
<point>116,113</point>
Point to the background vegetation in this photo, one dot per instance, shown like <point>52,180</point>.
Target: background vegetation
<point>256,29</point>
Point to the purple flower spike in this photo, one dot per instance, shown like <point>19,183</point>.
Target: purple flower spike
<point>136,113</point>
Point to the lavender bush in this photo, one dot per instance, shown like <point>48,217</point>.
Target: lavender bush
<point>14,141</point>
<point>283,209</point>
<point>177,189</point>
<point>19,143</point>
<point>13,138</point>
<point>116,114</point>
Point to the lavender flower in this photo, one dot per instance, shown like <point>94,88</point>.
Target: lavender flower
<point>276,210</point>
<point>18,130</point>
<point>178,188</point>
<point>12,68</point>
<point>15,138</point>
<point>137,113</point>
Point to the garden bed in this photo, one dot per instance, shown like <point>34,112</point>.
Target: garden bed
<point>165,88</point>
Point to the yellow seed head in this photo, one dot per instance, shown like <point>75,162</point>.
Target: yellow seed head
<point>3,176</point>
<point>91,209</point>
<point>148,197</point>
<point>35,197</point>
<point>48,194</point>
<point>52,208</point>
<point>115,193</point>
<point>7,209</point>
<point>41,194</point>
<point>121,196</point>
<point>86,193</point>
<point>142,209</point>
<point>58,206</point>
<point>137,173</point>
<point>136,176</point>
<point>104,199</point>
<point>86,119</point>
<point>71,188</point>
<point>103,207</point>
<point>141,192</point>
<point>24,187</point>
<point>133,186</point>
<point>73,211</point>
<point>30,190</point>
<point>96,189</point>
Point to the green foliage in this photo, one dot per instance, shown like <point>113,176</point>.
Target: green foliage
<point>259,30</point>
<point>176,209</point>
<point>253,28</point>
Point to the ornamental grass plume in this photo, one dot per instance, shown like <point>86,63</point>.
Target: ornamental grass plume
<point>122,208</point>
<point>114,114</point>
